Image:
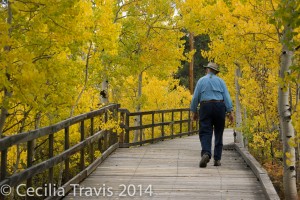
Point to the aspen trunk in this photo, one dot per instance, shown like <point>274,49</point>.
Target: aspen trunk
<point>191,68</point>
<point>298,144</point>
<point>287,130</point>
<point>245,140</point>
<point>297,92</point>
<point>104,92</point>
<point>137,120</point>
<point>238,111</point>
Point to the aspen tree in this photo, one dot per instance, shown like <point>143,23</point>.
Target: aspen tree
<point>285,16</point>
<point>150,42</point>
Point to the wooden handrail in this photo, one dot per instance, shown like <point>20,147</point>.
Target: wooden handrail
<point>9,141</point>
<point>106,141</point>
<point>153,112</point>
<point>15,179</point>
<point>163,122</point>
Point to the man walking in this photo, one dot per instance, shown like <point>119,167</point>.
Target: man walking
<point>212,94</point>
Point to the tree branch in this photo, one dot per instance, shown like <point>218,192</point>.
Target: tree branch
<point>56,23</point>
<point>120,8</point>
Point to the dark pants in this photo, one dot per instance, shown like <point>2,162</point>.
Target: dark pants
<point>212,118</point>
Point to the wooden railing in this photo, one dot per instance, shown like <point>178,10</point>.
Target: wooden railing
<point>91,139</point>
<point>152,127</point>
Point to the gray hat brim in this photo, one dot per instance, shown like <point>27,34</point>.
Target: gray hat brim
<point>211,68</point>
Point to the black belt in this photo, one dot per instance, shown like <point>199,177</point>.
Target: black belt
<point>209,101</point>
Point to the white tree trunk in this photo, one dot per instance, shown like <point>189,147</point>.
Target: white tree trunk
<point>238,111</point>
<point>191,66</point>
<point>104,92</point>
<point>287,130</point>
<point>245,140</point>
<point>137,119</point>
<point>298,143</point>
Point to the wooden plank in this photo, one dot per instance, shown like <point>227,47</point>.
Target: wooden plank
<point>260,173</point>
<point>160,138</point>
<point>99,160</point>
<point>172,168</point>
<point>83,174</point>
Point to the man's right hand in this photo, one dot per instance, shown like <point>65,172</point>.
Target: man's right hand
<point>230,117</point>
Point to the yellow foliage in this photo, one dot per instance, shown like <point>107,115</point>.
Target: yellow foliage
<point>243,38</point>
<point>157,94</point>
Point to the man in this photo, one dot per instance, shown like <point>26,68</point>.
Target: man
<point>212,94</point>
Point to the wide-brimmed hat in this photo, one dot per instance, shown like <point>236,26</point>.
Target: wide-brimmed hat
<point>213,66</point>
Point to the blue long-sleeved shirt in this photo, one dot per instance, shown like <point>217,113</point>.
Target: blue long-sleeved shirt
<point>211,87</point>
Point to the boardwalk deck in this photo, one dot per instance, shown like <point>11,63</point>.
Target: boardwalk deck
<point>172,169</point>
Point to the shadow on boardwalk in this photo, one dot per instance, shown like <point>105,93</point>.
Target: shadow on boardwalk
<point>170,169</point>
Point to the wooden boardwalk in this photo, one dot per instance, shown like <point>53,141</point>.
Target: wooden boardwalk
<point>171,169</point>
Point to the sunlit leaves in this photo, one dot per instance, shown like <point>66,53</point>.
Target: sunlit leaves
<point>168,94</point>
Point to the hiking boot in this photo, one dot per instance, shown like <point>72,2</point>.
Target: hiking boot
<point>204,160</point>
<point>217,163</point>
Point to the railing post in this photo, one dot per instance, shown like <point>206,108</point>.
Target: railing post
<point>82,150</point>
<point>172,124</point>
<point>29,160</point>
<point>141,129</point>
<point>163,126</point>
<point>105,141</point>
<point>122,118</point>
<point>127,125</point>
<point>3,168</point>
<point>51,149</point>
<point>3,164</point>
<point>112,134</point>
<point>67,161</point>
<point>189,122</point>
<point>116,118</point>
<point>152,137</point>
<point>180,121</point>
<point>92,144</point>
<point>100,146</point>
